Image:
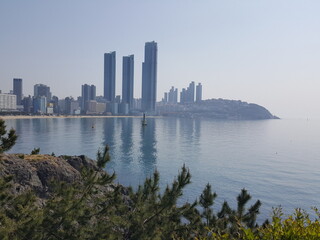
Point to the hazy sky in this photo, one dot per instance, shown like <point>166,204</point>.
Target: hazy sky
<point>266,52</point>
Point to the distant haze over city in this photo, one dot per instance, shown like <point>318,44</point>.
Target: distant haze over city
<point>265,52</point>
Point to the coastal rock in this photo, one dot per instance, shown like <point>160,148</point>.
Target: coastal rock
<point>36,172</point>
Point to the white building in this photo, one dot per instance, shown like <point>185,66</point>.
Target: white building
<point>8,102</point>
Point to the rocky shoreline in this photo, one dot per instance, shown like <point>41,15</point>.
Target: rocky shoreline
<point>37,172</point>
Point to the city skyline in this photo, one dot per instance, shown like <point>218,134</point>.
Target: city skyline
<point>263,52</point>
<point>87,102</point>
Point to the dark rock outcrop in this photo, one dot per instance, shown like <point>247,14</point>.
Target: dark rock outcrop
<point>36,172</point>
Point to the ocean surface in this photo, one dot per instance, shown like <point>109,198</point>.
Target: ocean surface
<point>277,161</point>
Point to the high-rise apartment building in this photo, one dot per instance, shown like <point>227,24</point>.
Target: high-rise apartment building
<point>199,93</point>
<point>87,93</point>
<point>165,98</point>
<point>183,96</point>
<point>27,104</point>
<point>149,77</point>
<point>173,96</point>
<point>187,95</point>
<point>40,104</point>
<point>41,90</point>
<point>110,76</point>
<point>190,93</point>
<point>127,80</point>
<point>17,89</point>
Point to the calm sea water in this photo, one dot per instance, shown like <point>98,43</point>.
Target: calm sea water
<point>277,161</point>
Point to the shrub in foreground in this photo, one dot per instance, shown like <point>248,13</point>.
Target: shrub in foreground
<point>85,210</point>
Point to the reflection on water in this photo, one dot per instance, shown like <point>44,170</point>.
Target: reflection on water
<point>148,146</point>
<point>108,132</point>
<point>126,139</point>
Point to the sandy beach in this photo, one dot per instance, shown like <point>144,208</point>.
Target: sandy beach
<point>7,117</point>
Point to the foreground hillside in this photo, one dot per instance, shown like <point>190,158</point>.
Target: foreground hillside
<point>72,197</point>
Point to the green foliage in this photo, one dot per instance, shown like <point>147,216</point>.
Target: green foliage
<point>6,142</point>
<point>83,211</point>
<point>35,151</point>
<point>96,208</point>
<point>206,202</point>
<point>295,226</point>
<point>103,158</point>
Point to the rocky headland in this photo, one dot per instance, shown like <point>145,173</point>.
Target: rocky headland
<point>220,109</point>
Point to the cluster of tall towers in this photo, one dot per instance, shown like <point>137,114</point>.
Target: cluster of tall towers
<point>149,78</point>
<point>190,94</point>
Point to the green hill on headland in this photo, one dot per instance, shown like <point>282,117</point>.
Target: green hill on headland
<point>221,109</point>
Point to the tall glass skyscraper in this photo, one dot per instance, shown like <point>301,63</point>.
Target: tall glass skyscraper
<point>110,76</point>
<point>149,77</point>
<point>127,79</point>
<point>17,89</point>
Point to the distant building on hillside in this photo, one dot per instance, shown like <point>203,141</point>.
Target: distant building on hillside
<point>190,93</point>
<point>183,96</point>
<point>173,96</point>
<point>165,98</point>
<point>199,93</point>
<point>187,95</point>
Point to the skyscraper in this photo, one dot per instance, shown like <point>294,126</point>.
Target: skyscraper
<point>149,77</point>
<point>40,104</point>
<point>199,93</point>
<point>42,90</point>
<point>87,93</point>
<point>127,79</point>
<point>190,93</point>
<point>187,95</point>
<point>183,96</point>
<point>17,89</point>
<point>173,96</point>
<point>110,76</point>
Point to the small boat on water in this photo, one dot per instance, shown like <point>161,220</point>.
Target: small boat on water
<point>144,121</point>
